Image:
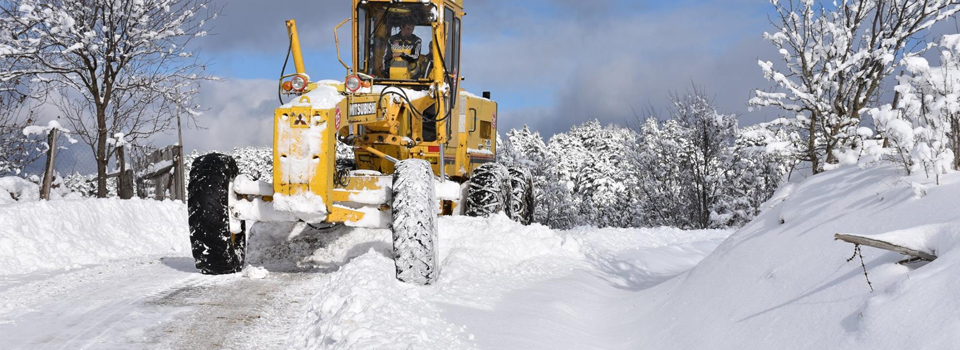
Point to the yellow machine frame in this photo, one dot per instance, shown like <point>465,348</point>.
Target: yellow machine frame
<point>382,127</point>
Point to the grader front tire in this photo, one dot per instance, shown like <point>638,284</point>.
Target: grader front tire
<point>216,251</point>
<point>414,223</point>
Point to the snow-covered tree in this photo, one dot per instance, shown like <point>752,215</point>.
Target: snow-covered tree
<point>760,163</point>
<point>257,162</point>
<point>116,66</point>
<point>570,155</point>
<point>658,180</point>
<point>923,128</point>
<point>253,161</point>
<point>834,57</point>
<point>554,202</point>
<point>589,159</point>
<point>505,153</point>
<point>711,136</point>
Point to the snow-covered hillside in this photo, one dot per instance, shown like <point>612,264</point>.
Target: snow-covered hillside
<point>783,282</point>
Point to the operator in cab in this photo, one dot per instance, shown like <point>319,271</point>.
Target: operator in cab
<point>402,53</point>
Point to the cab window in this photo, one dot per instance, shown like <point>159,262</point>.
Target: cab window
<point>452,53</point>
<point>394,40</point>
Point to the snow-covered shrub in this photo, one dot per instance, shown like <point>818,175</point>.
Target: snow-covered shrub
<point>255,162</point>
<point>16,189</point>
<point>84,185</point>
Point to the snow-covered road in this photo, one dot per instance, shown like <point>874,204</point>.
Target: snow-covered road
<point>503,286</point>
<point>148,303</point>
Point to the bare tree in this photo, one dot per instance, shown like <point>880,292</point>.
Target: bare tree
<point>116,66</point>
<point>16,149</point>
<point>834,58</point>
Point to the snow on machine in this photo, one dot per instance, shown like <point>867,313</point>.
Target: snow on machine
<point>422,146</point>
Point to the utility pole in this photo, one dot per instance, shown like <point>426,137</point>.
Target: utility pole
<point>181,190</point>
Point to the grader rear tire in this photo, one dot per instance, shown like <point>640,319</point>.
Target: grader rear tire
<point>521,195</point>
<point>415,211</point>
<point>216,251</point>
<point>489,191</point>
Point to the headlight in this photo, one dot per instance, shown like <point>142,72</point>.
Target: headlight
<point>353,83</point>
<point>299,82</point>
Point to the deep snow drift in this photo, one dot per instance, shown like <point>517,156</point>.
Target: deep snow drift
<point>783,282</point>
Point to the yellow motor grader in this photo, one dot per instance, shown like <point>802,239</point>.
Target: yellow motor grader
<point>422,146</point>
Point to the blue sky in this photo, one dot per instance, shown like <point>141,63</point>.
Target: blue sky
<point>549,64</point>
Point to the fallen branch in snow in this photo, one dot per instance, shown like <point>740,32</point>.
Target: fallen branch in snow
<point>871,242</point>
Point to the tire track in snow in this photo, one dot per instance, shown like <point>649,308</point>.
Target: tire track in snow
<point>105,306</point>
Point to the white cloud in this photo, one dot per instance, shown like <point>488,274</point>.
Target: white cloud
<point>600,65</point>
<point>239,113</point>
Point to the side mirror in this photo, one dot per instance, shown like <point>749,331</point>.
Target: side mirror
<point>434,14</point>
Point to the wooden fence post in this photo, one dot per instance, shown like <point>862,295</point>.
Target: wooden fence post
<point>126,189</point>
<point>121,185</point>
<point>48,170</point>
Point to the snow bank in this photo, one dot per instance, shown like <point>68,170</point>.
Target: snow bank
<point>47,235</point>
<point>484,263</point>
<point>782,280</point>
<point>484,259</point>
<point>363,306</point>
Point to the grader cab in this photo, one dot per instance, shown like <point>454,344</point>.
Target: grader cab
<point>423,147</point>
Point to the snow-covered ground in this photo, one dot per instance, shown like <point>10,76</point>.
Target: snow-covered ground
<point>118,274</point>
<point>102,274</point>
